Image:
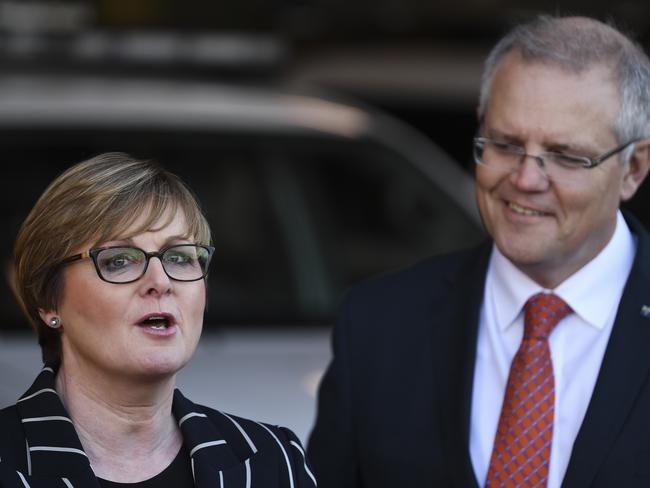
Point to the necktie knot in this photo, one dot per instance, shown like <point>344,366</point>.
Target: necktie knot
<point>542,312</point>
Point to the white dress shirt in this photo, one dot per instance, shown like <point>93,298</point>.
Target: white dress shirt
<point>577,345</point>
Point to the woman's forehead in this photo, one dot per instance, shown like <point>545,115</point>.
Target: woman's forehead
<point>170,221</point>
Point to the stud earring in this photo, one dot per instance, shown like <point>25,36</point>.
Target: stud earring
<point>55,322</point>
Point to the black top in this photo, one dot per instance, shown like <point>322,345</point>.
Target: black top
<point>178,474</point>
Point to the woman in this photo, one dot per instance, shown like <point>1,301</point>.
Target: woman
<point>110,269</point>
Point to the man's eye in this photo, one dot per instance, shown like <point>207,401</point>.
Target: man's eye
<point>502,146</point>
<point>505,148</point>
<point>567,160</point>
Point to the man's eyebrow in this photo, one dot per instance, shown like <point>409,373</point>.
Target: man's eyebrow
<point>505,137</point>
<point>569,148</point>
<point>549,145</point>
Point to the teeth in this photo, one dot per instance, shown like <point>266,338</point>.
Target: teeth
<point>523,210</point>
<point>157,322</point>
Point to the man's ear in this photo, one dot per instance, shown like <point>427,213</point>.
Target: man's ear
<point>636,169</point>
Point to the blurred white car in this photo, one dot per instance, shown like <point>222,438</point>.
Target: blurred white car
<point>305,194</point>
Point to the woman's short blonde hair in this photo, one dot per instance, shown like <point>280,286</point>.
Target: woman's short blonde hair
<point>94,201</point>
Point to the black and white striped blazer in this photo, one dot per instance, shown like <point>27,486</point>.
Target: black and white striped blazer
<point>39,447</point>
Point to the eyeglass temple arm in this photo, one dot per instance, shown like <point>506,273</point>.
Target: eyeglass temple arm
<point>609,154</point>
<point>76,257</point>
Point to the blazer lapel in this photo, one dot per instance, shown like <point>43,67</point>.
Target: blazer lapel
<point>456,327</point>
<point>52,448</point>
<point>212,458</point>
<point>624,369</point>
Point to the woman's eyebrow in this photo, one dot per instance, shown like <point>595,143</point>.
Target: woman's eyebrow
<point>115,242</point>
<point>183,237</point>
<point>129,242</point>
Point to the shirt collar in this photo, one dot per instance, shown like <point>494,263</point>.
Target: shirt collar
<point>592,292</point>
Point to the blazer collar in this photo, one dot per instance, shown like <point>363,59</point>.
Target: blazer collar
<point>623,372</point>
<point>53,449</point>
<point>56,457</point>
<point>211,455</point>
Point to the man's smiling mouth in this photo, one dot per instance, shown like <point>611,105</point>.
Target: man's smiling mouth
<point>525,210</point>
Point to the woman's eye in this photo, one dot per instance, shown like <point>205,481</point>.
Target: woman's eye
<point>178,258</point>
<point>119,261</point>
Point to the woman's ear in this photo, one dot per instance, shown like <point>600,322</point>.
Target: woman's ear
<point>50,318</point>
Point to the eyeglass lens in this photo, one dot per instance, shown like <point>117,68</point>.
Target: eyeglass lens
<point>554,166</point>
<point>124,264</point>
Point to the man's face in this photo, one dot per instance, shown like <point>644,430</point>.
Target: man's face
<point>550,229</point>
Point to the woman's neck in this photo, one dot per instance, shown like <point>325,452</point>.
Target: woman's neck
<point>125,427</point>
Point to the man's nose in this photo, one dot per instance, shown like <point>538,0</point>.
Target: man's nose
<point>530,175</point>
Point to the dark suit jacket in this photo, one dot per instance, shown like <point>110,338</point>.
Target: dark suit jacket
<point>39,447</point>
<point>394,405</point>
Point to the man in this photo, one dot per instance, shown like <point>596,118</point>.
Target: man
<point>525,362</point>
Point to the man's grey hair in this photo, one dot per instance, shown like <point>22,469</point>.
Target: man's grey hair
<point>577,44</point>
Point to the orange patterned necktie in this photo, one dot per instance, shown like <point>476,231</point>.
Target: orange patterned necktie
<point>522,446</point>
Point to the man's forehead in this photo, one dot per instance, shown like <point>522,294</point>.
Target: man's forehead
<point>556,105</point>
<point>516,57</point>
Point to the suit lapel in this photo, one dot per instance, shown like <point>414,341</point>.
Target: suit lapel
<point>625,367</point>
<point>53,449</point>
<point>455,334</point>
<point>212,458</point>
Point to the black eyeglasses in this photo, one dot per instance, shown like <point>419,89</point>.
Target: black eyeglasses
<point>126,264</point>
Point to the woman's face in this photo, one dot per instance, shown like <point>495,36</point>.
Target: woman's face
<point>102,324</point>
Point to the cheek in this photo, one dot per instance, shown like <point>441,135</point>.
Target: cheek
<point>599,199</point>
<point>94,309</point>
<point>194,301</point>
<point>485,183</point>
<point>86,297</point>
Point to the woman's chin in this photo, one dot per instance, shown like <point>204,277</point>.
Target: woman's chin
<point>161,366</point>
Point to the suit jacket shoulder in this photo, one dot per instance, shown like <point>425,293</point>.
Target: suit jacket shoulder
<point>406,297</point>
<point>403,349</point>
<point>12,440</point>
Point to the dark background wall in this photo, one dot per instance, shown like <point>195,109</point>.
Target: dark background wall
<point>418,59</point>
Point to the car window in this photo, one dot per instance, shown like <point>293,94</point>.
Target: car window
<point>295,220</point>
